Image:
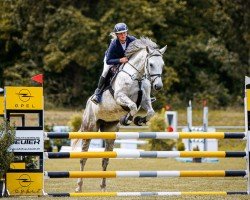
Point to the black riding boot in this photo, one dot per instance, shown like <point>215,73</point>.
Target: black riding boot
<point>97,97</point>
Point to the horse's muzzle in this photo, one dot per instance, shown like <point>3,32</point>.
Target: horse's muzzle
<point>158,86</point>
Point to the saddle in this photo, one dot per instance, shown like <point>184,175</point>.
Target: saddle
<point>112,73</point>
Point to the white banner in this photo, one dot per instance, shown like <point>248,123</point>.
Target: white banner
<point>28,141</point>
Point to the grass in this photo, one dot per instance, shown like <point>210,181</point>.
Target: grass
<point>228,117</point>
<point>216,118</point>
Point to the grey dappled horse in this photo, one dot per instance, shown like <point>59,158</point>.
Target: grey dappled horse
<point>141,72</point>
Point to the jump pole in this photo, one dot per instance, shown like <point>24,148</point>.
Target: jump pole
<point>145,135</point>
<point>189,116</point>
<point>205,123</point>
<point>146,154</point>
<point>189,121</point>
<point>127,194</point>
<point>145,174</point>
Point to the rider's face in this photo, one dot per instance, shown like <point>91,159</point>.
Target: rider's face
<point>122,36</point>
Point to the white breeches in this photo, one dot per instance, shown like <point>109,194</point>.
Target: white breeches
<point>105,68</point>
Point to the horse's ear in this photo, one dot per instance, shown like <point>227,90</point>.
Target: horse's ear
<point>149,51</point>
<point>163,49</point>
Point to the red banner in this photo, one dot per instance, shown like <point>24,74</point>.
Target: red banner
<point>38,78</point>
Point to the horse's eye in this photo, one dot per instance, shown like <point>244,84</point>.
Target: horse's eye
<point>151,65</point>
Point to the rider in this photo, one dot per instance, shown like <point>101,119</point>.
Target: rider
<point>114,56</point>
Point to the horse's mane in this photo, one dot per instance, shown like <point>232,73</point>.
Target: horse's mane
<point>139,44</point>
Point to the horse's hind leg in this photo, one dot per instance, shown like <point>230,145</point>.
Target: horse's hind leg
<point>89,124</point>
<point>85,147</point>
<point>109,146</point>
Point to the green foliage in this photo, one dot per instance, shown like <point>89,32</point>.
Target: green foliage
<point>161,145</point>
<point>48,128</point>
<point>207,57</point>
<point>158,124</point>
<point>169,78</point>
<point>196,148</point>
<point>7,138</point>
<point>180,146</point>
<point>75,122</point>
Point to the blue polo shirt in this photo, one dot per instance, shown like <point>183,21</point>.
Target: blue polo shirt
<point>115,51</point>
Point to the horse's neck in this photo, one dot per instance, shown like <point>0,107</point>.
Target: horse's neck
<point>138,63</point>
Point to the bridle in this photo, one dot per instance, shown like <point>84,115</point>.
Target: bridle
<point>146,74</point>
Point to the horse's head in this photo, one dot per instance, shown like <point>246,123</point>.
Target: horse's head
<point>148,61</point>
<point>154,66</point>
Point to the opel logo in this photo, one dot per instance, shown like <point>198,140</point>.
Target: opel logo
<point>24,180</point>
<point>24,95</point>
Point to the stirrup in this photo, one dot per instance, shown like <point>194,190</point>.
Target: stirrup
<point>96,99</point>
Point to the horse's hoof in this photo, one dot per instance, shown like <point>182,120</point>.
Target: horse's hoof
<point>78,189</point>
<point>103,189</point>
<point>126,120</point>
<point>139,120</point>
<point>123,121</point>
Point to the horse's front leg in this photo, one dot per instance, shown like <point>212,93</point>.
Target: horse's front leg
<point>123,100</point>
<point>85,147</point>
<point>109,146</point>
<point>147,106</point>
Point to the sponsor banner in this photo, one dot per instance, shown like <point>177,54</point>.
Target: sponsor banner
<point>29,184</point>
<point>1,105</point>
<point>28,141</point>
<point>24,98</point>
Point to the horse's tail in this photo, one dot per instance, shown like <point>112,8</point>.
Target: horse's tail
<point>88,120</point>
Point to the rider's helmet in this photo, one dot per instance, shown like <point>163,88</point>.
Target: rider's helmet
<point>120,28</point>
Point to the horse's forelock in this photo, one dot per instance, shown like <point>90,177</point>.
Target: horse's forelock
<point>139,44</point>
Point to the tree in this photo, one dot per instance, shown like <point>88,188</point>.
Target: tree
<point>207,56</point>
